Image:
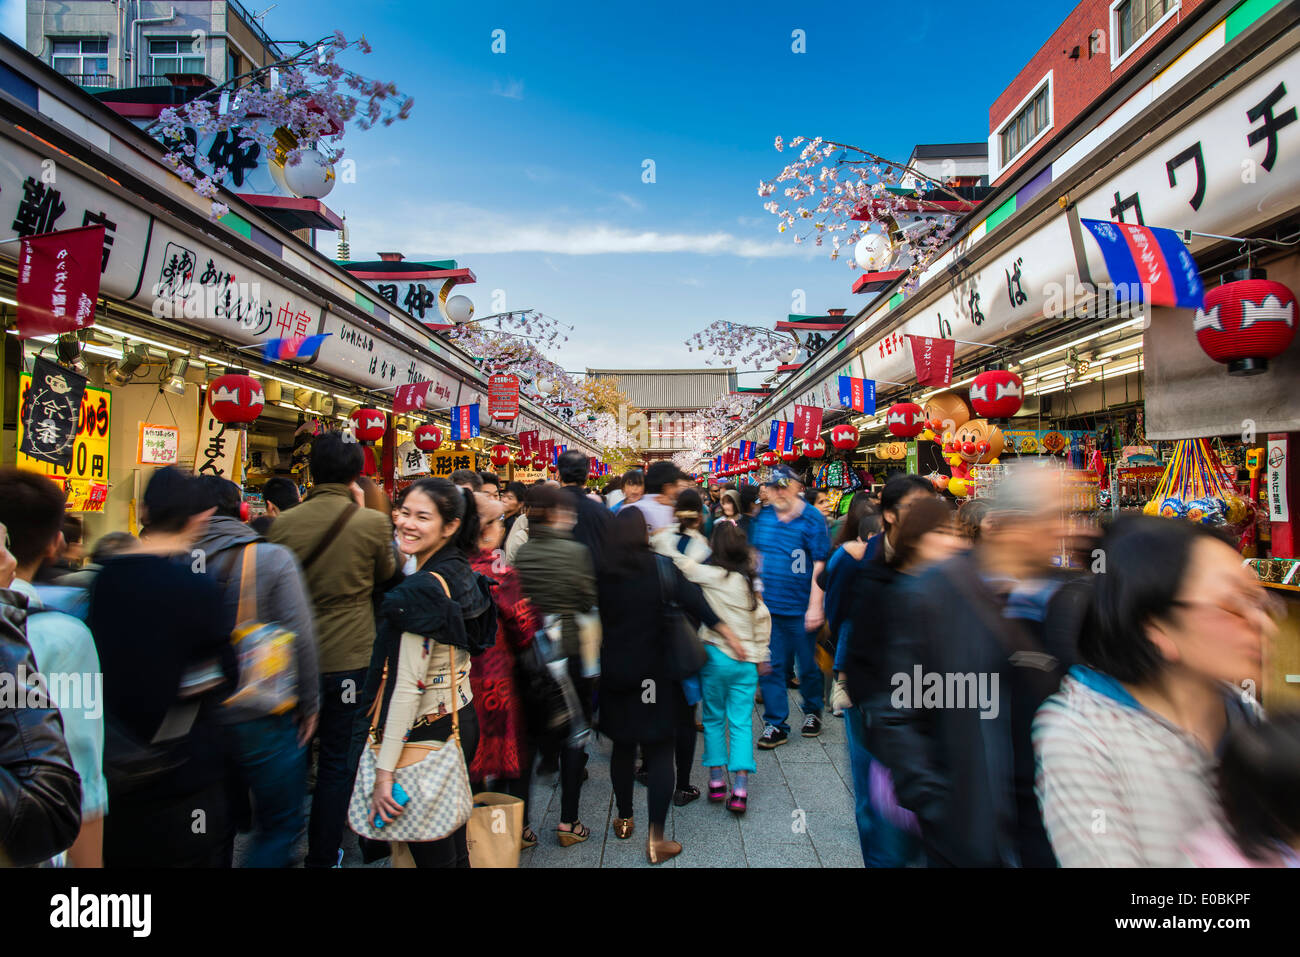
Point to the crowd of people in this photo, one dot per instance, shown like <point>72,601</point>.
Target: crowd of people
<point>1001,708</point>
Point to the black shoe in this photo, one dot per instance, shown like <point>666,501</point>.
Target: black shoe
<point>772,737</point>
<point>812,726</point>
<point>684,796</point>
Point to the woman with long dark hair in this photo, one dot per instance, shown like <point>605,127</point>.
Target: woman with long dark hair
<point>640,703</point>
<point>427,636</point>
<point>1176,630</point>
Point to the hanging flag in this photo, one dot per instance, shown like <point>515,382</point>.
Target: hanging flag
<point>528,442</point>
<point>58,281</point>
<point>787,436</point>
<point>51,412</point>
<point>746,451</point>
<point>1148,257</point>
<point>298,348</point>
<point>807,422</point>
<point>933,359</point>
<point>411,397</point>
<point>858,394</point>
<point>548,450</point>
<point>464,422</point>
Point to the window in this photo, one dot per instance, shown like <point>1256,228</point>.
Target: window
<point>1133,20</point>
<point>174,56</point>
<point>81,58</point>
<point>1033,118</point>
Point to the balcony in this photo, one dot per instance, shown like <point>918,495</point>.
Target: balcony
<point>92,81</point>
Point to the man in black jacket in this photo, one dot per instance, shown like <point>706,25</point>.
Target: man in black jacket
<point>998,619</point>
<point>40,793</point>
<point>592,518</point>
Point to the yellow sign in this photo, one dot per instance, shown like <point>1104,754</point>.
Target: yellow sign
<point>86,479</point>
<point>444,463</point>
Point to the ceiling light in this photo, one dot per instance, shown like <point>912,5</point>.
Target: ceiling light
<point>100,327</point>
<point>174,383</point>
<point>130,363</point>
<point>69,352</point>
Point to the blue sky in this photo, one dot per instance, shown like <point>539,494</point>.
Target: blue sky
<point>526,166</point>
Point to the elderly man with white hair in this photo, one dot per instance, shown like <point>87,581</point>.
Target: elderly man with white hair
<point>1001,617</point>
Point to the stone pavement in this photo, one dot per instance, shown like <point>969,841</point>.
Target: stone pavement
<point>808,775</point>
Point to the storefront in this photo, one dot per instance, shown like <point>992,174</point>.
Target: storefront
<point>183,299</point>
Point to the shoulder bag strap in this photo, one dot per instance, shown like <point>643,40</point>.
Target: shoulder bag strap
<point>330,536</point>
<point>248,586</point>
<point>451,652</point>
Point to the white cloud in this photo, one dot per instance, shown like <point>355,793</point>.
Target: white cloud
<point>512,89</point>
<point>458,229</point>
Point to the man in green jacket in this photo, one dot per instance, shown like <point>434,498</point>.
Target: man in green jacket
<point>345,551</point>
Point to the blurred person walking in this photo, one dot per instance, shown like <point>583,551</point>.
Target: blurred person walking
<point>640,702</point>
<point>557,577</point>
<point>967,770</point>
<point>32,510</point>
<point>344,551</point>
<point>166,755</point>
<point>271,749</point>
<point>505,752</point>
<point>40,793</point>
<point>1134,731</point>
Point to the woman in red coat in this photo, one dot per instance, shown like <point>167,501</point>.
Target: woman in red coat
<point>503,752</point>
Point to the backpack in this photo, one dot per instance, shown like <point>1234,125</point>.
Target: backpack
<point>268,669</point>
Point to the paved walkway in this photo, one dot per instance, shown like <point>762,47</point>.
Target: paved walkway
<point>800,812</point>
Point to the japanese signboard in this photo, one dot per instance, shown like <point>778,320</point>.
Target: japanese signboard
<point>58,281</point>
<point>411,461</point>
<point>361,355</point>
<point>219,448</point>
<point>503,396</point>
<point>86,477</point>
<point>1278,510</point>
<point>158,445</point>
<point>444,463</point>
<point>50,413</point>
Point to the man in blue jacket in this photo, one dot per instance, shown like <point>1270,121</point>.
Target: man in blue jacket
<point>793,544</point>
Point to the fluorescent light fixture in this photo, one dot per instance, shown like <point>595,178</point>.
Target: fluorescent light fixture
<point>136,338</point>
<point>260,375</point>
<point>7,300</point>
<point>1079,342</point>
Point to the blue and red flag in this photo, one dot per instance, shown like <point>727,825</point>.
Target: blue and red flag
<point>464,422</point>
<point>746,451</point>
<point>298,348</point>
<point>1147,257</point>
<point>858,394</point>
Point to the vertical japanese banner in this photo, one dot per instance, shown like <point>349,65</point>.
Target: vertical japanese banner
<point>85,480</point>
<point>219,450</point>
<point>58,281</point>
<point>528,443</point>
<point>807,422</point>
<point>51,412</point>
<point>933,359</point>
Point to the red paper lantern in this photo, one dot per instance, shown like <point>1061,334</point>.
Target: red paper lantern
<point>236,398</point>
<point>538,461</point>
<point>552,468</point>
<point>905,420</point>
<point>1246,321</point>
<point>844,437</point>
<point>428,437</point>
<point>768,459</point>
<point>369,425</point>
<point>790,456</point>
<point>996,394</point>
<point>500,455</point>
<point>814,448</point>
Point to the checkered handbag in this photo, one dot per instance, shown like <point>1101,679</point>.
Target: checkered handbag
<point>432,773</point>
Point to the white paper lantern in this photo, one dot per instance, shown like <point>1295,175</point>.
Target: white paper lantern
<point>874,252</point>
<point>544,386</point>
<point>460,309</point>
<point>312,177</point>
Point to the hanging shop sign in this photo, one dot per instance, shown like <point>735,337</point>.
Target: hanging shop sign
<point>1278,507</point>
<point>503,397</point>
<point>50,413</point>
<point>38,195</point>
<point>85,477</point>
<point>58,281</point>
<point>219,450</point>
<point>158,445</point>
<point>362,356</point>
<point>411,461</point>
<point>444,463</point>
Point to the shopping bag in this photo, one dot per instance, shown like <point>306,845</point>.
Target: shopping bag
<point>495,832</point>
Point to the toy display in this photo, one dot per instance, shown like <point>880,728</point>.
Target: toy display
<point>1197,487</point>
